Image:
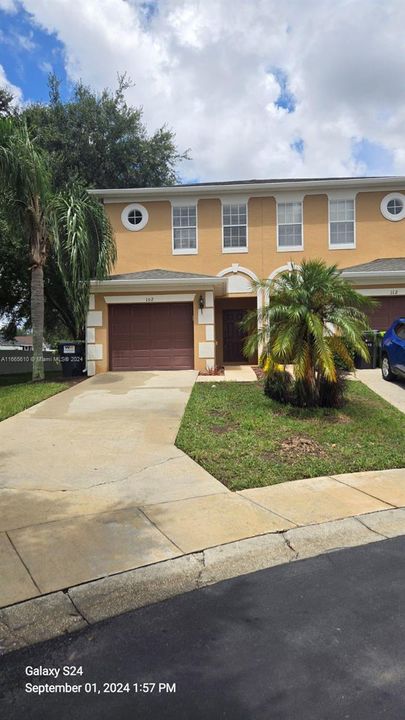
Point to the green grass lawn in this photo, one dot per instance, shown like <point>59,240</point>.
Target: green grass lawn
<point>18,393</point>
<point>247,440</point>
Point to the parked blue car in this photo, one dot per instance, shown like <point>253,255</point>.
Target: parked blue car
<point>393,351</point>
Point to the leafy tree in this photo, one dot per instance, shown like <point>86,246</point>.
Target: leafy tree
<point>101,140</point>
<point>6,102</point>
<point>14,276</point>
<point>312,318</point>
<point>73,221</point>
<point>93,140</point>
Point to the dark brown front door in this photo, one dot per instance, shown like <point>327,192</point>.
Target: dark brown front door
<point>388,309</point>
<point>156,336</point>
<point>234,336</point>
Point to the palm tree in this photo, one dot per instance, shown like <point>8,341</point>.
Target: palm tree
<point>71,221</point>
<point>312,317</point>
<point>84,248</point>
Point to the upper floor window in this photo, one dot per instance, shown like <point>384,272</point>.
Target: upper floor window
<point>289,226</point>
<point>185,229</point>
<point>341,224</point>
<point>134,217</point>
<point>393,206</point>
<point>234,218</point>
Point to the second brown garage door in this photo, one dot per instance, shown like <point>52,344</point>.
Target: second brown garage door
<point>156,336</point>
<point>387,310</point>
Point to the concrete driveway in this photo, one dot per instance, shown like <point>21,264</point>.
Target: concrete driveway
<point>393,392</point>
<point>74,471</point>
<point>91,484</point>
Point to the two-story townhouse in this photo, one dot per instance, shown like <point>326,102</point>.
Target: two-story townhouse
<point>187,256</point>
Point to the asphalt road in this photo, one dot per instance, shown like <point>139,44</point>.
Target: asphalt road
<point>321,639</point>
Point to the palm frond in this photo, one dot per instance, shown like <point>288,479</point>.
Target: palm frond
<point>84,246</point>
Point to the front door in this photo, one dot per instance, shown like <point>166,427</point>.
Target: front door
<point>234,336</point>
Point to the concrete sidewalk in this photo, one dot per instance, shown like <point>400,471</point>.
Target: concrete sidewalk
<point>180,545</point>
<point>57,613</point>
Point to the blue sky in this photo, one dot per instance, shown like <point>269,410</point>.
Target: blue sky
<point>264,103</point>
<point>28,54</point>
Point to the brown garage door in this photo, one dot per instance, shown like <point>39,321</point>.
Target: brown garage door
<point>387,310</point>
<point>151,337</point>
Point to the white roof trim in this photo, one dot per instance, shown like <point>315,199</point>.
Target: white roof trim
<point>376,277</point>
<point>373,273</point>
<point>158,284</point>
<point>249,189</point>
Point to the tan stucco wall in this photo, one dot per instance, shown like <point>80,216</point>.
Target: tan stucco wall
<point>152,247</point>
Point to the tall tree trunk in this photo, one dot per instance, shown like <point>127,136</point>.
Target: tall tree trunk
<point>37,319</point>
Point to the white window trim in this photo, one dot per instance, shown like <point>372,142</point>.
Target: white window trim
<point>346,246</point>
<point>292,199</point>
<point>384,203</point>
<point>185,203</point>
<point>235,200</point>
<point>124,217</point>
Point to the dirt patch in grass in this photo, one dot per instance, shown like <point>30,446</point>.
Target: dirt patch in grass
<point>300,445</point>
<point>221,429</point>
<point>219,413</point>
<point>294,447</point>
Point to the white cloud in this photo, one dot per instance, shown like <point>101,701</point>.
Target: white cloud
<point>45,66</point>
<point>24,41</point>
<point>16,91</point>
<point>204,68</point>
<point>8,6</point>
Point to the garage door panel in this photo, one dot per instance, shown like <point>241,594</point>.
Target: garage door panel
<point>387,310</point>
<point>146,337</point>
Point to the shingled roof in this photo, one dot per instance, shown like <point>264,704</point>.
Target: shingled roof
<point>378,266</point>
<point>255,181</point>
<point>159,274</point>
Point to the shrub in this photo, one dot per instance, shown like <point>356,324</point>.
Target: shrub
<point>332,394</point>
<point>279,386</point>
<point>303,394</point>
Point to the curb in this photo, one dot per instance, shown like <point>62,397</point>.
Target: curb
<point>78,607</point>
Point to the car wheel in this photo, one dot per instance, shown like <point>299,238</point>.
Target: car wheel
<point>386,369</point>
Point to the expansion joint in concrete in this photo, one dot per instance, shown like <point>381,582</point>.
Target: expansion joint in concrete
<point>379,534</point>
<point>78,611</point>
<point>290,546</point>
<point>24,563</point>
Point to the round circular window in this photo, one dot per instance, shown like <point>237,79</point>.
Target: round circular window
<point>393,206</point>
<point>134,217</point>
